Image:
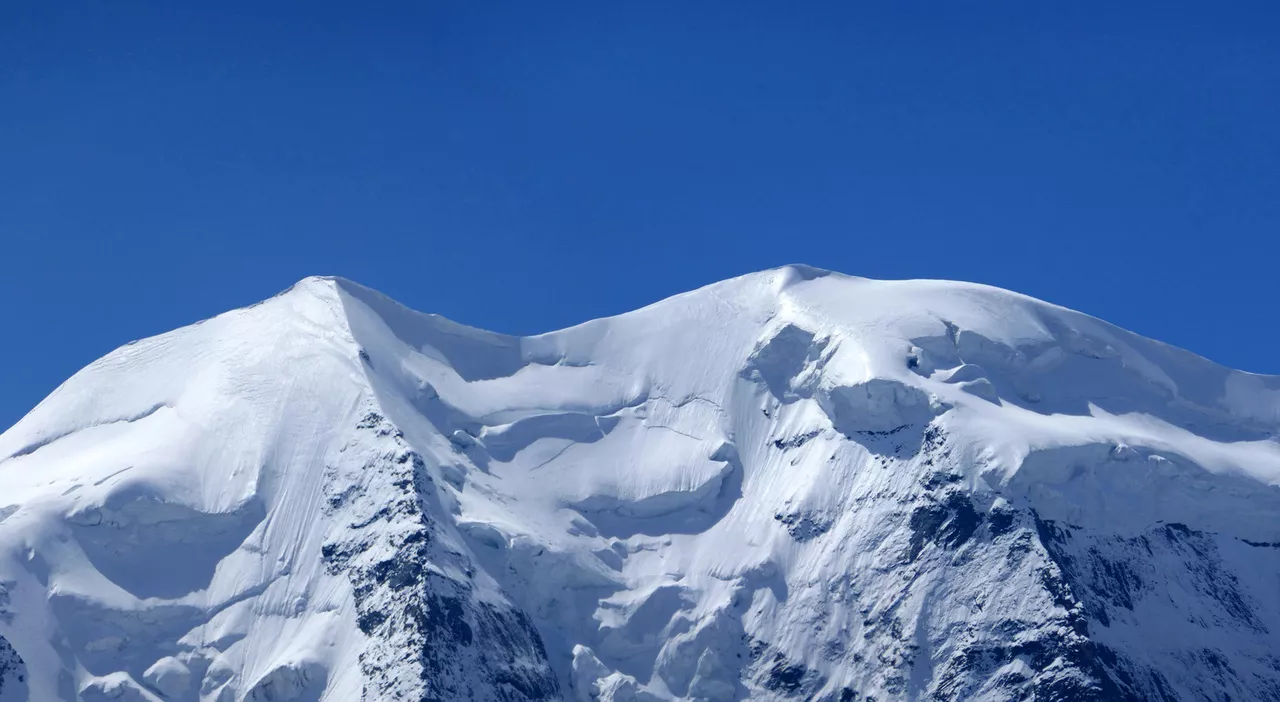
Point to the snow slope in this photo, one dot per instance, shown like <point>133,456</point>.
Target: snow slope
<point>789,485</point>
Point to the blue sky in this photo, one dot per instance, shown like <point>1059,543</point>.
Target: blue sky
<point>526,166</point>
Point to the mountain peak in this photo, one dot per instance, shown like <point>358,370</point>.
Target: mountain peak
<point>792,484</point>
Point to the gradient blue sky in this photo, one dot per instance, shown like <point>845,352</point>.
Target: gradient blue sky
<point>526,166</point>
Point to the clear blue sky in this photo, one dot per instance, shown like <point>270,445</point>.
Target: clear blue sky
<point>526,166</point>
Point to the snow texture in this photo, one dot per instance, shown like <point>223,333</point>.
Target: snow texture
<point>789,485</point>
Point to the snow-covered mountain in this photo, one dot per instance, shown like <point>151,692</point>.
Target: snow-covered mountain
<point>789,485</point>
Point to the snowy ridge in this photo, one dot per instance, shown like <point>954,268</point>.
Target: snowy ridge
<point>789,485</point>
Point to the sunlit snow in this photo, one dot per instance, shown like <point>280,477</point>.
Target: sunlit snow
<point>792,484</point>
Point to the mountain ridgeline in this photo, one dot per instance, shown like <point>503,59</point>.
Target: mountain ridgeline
<point>792,485</point>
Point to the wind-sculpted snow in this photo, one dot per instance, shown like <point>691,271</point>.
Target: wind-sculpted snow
<point>790,485</point>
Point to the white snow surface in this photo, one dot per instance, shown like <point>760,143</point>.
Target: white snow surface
<point>666,493</point>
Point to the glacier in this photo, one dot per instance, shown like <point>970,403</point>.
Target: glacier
<point>794,484</point>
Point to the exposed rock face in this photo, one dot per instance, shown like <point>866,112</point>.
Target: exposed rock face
<point>434,635</point>
<point>13,674</point>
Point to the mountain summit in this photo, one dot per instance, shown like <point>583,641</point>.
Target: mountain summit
<point>789,485</point>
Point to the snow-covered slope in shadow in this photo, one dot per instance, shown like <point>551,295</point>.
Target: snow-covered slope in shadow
<point>789,485</point>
